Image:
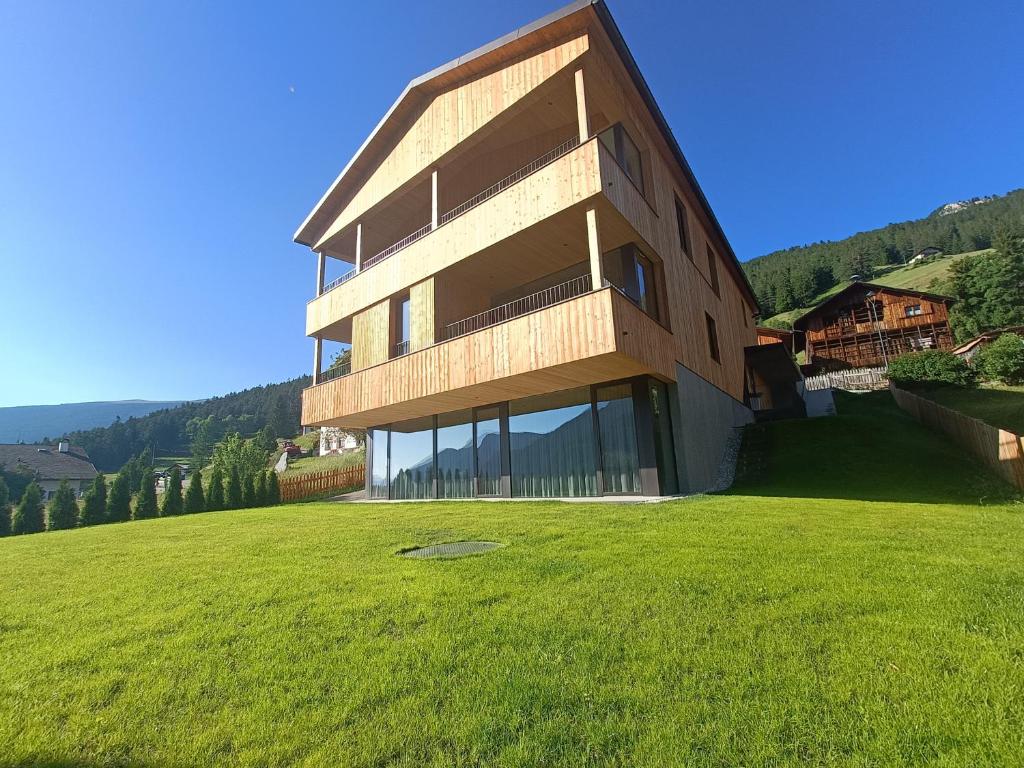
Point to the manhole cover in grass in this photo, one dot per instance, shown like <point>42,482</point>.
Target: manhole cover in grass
<point>455,549</point>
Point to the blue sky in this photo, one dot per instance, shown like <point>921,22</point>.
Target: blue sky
<point>155,158</point>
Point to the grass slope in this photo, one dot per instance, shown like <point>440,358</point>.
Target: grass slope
<point>999,406</point>
<point>783,624</point>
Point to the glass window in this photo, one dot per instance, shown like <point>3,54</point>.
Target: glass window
<point>379,464</point>
<point>404,324</point>
<point>645,284</point>
<point>664,448</point>
<point>683,226</point>
<point>552,445</point>
<point>913,310</point>
<point>488,452</point>
<point>455,455</point>
<point>712,337</point>
<point>625,151</point>
<point>412,459</point>
<point>619,459</point>
<point>712,267</point>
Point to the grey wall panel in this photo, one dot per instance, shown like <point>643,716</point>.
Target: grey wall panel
<point>704,419</point>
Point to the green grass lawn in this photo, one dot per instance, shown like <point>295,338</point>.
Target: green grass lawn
<point>999,406</point>
<point>789,622</point>
<point>320,463</point>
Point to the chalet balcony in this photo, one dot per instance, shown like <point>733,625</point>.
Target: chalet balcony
<point>562,337</point>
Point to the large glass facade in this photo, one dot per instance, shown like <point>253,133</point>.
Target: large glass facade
<point>455,455</point>
<point>488,451</point>
<point>551,441</point>
<point>619,458</point>
<point>412,459</point>
<point>578,442</point>
<point>379,464</point>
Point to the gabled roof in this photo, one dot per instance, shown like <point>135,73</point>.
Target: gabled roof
<point>47,462</point>
<point>860,284</point>
<point>988,336</point>
<point>437,80</point>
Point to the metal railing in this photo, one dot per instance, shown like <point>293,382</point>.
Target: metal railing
<point>391,250</point>
<point>534,165</point>
<point>401,348</point>
<point>343,279</point>
<point>570,289</point>
<point>335,372</point>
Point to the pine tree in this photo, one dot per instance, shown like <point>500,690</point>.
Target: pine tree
<point>119,500</point>
<point>233,491</point>
<point>265,439</point>
<point>94,507</point>
<point>261,490</point>
<point>145,504</point>
<point>5,508</point>
<point>172,495</point>
<point>194,500</point>
<point>273,488</point>
<point>215,494</point>
<point>28,515</point>
<point>63,511</point>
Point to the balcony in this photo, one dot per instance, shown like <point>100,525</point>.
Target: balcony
<point>568,336</point>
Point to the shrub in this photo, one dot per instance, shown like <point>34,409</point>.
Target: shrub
<point>194,498</point>
<point>215,495</point>
<point>63,511</point>
<point>172,495</point>
<point>5,508</point>
<point>28,515</point>
<point>273,488</point>
<point>933,368</point>
<point>94,506</point>
<point>145,504</point>
<point>119,501</point>
<point>1002,360</point>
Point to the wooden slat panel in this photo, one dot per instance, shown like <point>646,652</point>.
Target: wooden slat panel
<point>596,337</point>
<point>371,334</point>
<point>421,315</point>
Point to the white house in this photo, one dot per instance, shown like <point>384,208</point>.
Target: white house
<point>50,465</point>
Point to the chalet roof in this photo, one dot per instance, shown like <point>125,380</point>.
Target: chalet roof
<point>799,323</point>
<point>47,462</point>
<point>475,61</point>
<point>992,335</point>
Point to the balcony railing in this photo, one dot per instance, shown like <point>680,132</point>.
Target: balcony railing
<point>401,348</point>
<point>343,368</point>
<point>570,289</point>
<point>481,197</point>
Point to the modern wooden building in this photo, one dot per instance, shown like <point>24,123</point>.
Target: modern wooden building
<point>540,301</point>
<point>866,324</point>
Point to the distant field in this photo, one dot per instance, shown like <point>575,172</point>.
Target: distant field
<point>320,463</point>
<point>928,277</point>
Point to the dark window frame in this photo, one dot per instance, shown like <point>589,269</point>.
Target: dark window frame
<point>683,227</point>
<point>713,269</point>
<point>712,331</point>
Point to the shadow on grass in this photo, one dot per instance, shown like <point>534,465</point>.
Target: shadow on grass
<point>871,451</point>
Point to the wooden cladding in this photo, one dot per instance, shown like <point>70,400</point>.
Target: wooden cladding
<point>371,335</point>
<point>596,337</point>
<point>422,324</point>
<point>571,179</point>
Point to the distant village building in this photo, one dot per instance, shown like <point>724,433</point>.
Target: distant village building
<point>925,253</point>
<point>793,340</point>
<point>969,349</point>
<point>867,324</point>
<point>334,440</point>
<point>50,465</point>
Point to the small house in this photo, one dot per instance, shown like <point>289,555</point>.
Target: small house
<point>50,465</point>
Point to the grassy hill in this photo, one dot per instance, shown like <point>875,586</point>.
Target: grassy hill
<point>850,603</point>
<point>932,276</point>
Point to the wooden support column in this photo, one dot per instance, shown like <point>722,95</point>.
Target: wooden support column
<point>318,358</point>
<point>359,247</point>
<point>433,199</point>
<point>321,270</point>
<point>582,118</point>
<point>594,245</point>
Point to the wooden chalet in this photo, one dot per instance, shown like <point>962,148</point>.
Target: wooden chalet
<point>866,324</point>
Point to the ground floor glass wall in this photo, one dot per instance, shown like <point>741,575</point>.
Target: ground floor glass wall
<point>578,442</point>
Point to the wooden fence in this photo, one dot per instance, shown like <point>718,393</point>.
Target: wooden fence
<point>1003,451</point>
<point>311,484</point>
<point>857,378</point>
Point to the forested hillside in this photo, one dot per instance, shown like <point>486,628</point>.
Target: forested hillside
<point>788,279</point>
<point>31,423</point>
<point>198,425</point>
